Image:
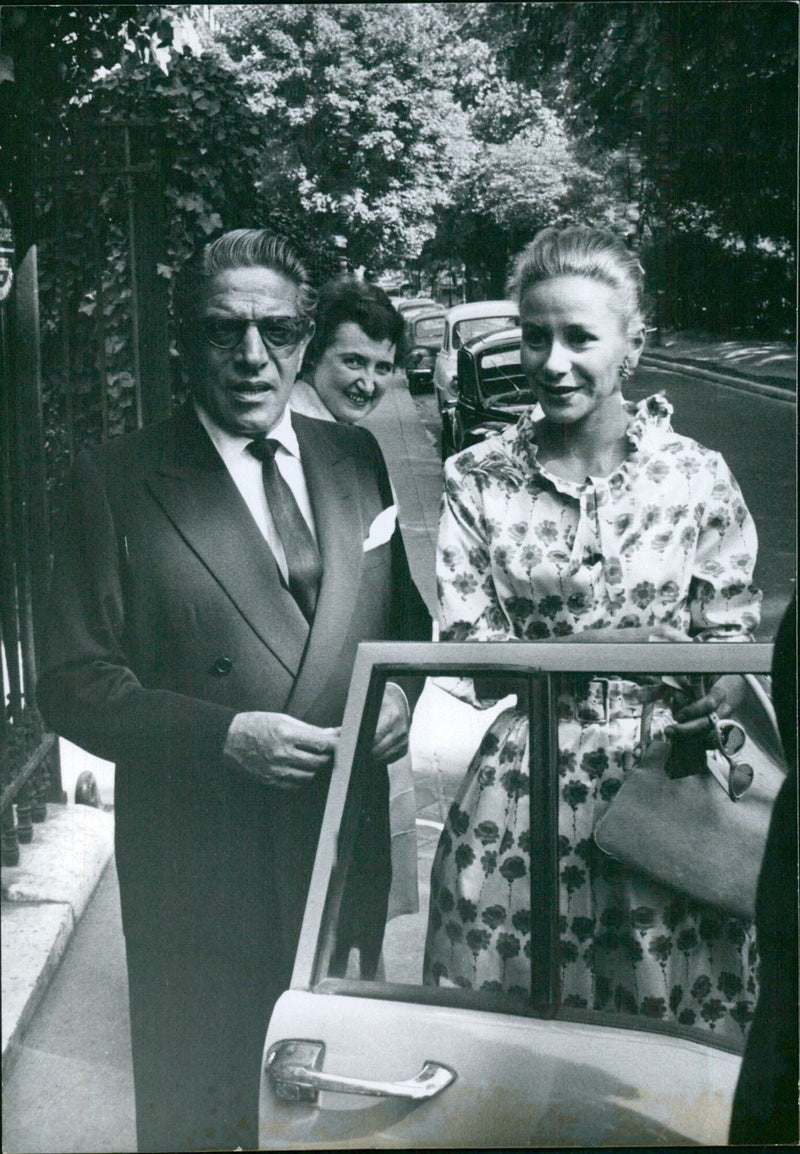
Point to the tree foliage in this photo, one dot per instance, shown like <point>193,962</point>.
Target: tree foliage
<point>527,169</point>
<point>702,99</point>
<point>361,136</point>
<point>441,134</point>
<point>109,106</point>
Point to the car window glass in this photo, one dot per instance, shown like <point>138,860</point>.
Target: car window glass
<point>639,941</point>
<point>431,942</point>
<point>473,327</point>
<point>476,902</point>
<point>501,375</point>
<point>430,329</point>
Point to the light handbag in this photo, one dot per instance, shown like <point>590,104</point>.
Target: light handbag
<point>687,832</point>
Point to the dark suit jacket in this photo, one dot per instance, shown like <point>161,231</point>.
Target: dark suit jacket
<point>167,618</point>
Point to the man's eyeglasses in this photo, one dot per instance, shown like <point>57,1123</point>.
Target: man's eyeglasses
<point>280,334</point>
<point>729,739</point>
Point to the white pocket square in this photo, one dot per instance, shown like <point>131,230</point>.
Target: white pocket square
<point>381,528</point>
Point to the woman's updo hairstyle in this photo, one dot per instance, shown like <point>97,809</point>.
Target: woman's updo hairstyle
<point>588,252</point>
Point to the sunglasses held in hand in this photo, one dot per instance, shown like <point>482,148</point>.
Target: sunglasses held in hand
<point>729,739</point>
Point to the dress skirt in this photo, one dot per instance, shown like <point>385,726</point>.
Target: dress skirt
<point>627,944</point>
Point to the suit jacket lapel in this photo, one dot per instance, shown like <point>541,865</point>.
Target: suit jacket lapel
<point>199,496</point>
<point>338,517</point>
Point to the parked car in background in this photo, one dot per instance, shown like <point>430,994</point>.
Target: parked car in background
<point>424,333</point>
<point>490,391</point>
<point>399,1062</point>
<point>409,303</point>
<point>464,322</point>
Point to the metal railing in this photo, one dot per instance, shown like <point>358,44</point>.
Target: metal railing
<point>30,773</point>
<point>84,342</point>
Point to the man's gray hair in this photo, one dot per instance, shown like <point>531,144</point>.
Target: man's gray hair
<point>241,248</point>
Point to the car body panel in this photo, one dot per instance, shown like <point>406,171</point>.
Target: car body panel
<point>405,305</point>
<point>491,391</point>
<point>420,310</point>
<point>424,332</point>
<point>519,1082</point>
<point>458,317</point>
<point>580,1078</point>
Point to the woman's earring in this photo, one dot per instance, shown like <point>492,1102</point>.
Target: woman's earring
<point>625,371</point>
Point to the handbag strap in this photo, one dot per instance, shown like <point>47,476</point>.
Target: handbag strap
<point>764,700</point>
<point>646,724</point>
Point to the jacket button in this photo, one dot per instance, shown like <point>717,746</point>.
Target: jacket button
<point>222,666</point>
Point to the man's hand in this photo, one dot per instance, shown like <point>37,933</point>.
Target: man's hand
<point>391,733</point>
<point>280,750</point>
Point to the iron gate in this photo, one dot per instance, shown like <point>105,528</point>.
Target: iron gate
<point>85,356</point>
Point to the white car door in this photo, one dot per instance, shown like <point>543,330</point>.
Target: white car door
<point>395,1061</point>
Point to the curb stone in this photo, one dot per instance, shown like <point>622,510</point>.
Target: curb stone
<point>743,383</point>
<point>42,900</point>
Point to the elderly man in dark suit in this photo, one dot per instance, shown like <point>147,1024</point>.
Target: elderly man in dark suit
<point>214,577</point>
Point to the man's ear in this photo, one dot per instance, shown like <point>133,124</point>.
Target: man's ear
<point>637,342</point>
<point>306,363</point>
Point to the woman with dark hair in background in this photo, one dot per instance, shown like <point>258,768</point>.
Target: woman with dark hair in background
<point>356,347</point>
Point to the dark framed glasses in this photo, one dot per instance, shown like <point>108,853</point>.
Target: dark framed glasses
<point>280,334</point>
<point>729,739</point>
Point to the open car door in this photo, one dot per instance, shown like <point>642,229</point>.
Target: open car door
<point>406,1058</point>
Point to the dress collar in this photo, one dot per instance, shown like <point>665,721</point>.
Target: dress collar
<point>650,420</point>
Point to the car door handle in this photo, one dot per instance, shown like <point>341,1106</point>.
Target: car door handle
<point>293,1069</point>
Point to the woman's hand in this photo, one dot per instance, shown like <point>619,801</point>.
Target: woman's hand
<point>693,721</point>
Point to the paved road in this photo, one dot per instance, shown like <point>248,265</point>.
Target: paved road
<point>756,436</point>
<point>71,1088</point>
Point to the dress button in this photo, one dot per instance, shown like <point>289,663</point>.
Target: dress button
<point>222,666</point>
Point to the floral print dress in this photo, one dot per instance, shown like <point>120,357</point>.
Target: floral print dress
<point>526,555</point>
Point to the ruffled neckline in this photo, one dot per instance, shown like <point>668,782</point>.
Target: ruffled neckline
<point>650,419</point>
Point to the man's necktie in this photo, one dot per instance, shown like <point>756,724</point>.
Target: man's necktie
<point>302,556</point>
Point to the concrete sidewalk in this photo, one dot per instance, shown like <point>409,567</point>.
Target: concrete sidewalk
<point>767,367</point>
<point>43,898</point>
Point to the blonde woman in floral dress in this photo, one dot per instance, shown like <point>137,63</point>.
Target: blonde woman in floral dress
<point>595,522</point>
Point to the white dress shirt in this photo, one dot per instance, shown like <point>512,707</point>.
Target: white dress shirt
<point>246,473</point>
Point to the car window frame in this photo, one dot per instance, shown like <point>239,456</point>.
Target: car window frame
<point>466,387</point>
<point>421,339</point>
<point>377,662</point>
<point>489,400</point>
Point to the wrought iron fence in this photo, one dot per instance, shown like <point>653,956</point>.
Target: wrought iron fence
<point>84,342</point>
<point>29,763</point>
<point>104,306</point>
